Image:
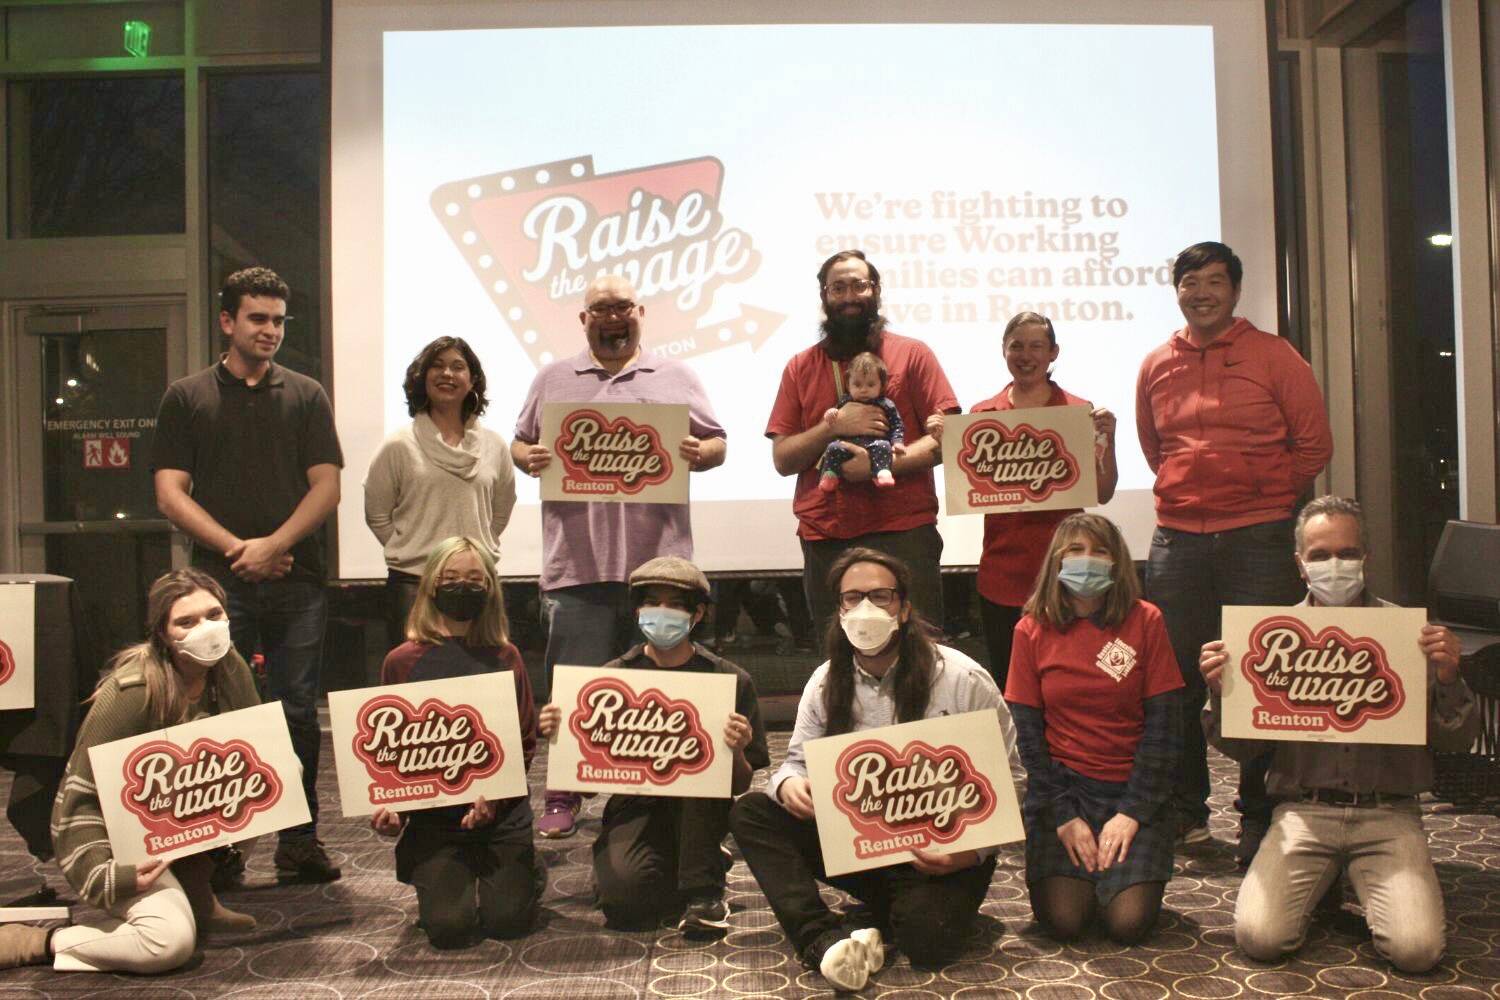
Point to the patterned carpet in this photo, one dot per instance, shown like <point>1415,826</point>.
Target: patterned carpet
<point>355,938</point>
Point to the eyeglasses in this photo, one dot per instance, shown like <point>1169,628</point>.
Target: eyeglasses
<point>881,597</point>
<point>858,286</point>
<point>446,581</point>
<point>602,309</point>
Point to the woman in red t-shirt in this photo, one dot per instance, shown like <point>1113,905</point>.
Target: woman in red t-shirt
<point>1014,544</point>
<point>1095,694</point>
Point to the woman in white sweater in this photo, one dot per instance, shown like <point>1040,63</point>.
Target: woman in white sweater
<point>443,476</point>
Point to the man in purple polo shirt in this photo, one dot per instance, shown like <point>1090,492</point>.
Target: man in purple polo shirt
<point>590,549</point>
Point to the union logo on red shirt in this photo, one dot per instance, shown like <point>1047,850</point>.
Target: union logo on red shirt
<point>1116,658</point>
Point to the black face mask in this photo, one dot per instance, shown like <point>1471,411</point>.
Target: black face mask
<point>460,602</point>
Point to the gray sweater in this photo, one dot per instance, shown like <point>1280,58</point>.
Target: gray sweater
<point>421,490</point>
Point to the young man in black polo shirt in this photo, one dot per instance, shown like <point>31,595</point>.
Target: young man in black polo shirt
<point>246,463</point>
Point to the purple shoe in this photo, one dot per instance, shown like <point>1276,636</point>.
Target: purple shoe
<point>558,815</point>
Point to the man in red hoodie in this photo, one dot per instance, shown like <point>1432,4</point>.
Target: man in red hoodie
<point>1233,424</point>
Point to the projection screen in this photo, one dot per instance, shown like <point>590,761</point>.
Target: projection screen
<point>489,158</point>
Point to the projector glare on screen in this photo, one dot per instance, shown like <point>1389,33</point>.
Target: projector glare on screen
<point>486,169</point>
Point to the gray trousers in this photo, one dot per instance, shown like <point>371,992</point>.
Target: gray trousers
<point>1384,849</point>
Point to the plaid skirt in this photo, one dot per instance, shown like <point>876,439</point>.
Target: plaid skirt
<point>1150,855</point>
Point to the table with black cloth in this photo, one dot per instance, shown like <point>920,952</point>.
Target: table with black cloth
<point>35,742</point>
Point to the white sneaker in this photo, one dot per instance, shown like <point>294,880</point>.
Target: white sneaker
<point>874,948</point>
<point>846,965</point>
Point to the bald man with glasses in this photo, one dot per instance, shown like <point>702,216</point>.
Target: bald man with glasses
<point>590,549</point>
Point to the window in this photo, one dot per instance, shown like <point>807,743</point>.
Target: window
<point>265,137</point>
<point>102,156</point>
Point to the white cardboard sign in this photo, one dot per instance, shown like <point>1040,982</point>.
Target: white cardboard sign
<point>1004,461</point>
<point>647,732</point>
<point>17,645</point>
<point>1344,675</point>
<point>427,743</point>
<point>615,451</point>
<point>185,789</point>
<point>942,785</point>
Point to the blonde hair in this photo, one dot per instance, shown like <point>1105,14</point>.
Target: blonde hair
<point>166,703</point>
<point>1049,603</point>
<point>424,623</point>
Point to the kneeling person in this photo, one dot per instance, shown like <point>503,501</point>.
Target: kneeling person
<point>473,866</point>
<point>1350,806</point>
<point>882,669</point>
<point>656,856</point>
<point>1096,698</point>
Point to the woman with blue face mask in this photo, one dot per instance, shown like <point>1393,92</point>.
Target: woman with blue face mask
<point>1094,692</point>
<point>661,858</point>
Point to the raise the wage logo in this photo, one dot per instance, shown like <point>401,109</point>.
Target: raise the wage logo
<point>918,797</point>
<point>535,237</point>
<point>1314,682</point>
<point>187,796</point>
<point>602,456</point>
<point>636,738</point>
<point>421,752</point>
<point>1012,465</point>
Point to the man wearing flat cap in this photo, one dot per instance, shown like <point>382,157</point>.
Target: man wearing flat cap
<point>658,857</point>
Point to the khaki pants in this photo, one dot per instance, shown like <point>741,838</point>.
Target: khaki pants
<point>148,933</point>
<point>1384,849</point>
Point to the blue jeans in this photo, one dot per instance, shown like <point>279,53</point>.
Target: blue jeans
<point>587,625</point>
<point>1191,577</point>
<point>285,621</point>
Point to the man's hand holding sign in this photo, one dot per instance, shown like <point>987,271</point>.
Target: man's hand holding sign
<point>928,792</point>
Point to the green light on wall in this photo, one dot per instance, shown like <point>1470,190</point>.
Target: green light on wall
<point>138,38</point>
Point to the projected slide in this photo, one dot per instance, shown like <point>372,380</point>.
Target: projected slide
<point>985,169</point>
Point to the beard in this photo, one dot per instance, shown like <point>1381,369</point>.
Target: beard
<point>847,333</point>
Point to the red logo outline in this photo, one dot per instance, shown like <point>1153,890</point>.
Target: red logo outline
<point>389,776</point>
<point>7,662</point>
<point>160,823</point>
<point>576,472</point>
<point>874,827</point>
<point>986,484</point>
<point>533,237</point>
<point>599,754</point>
<point>1274,699</point>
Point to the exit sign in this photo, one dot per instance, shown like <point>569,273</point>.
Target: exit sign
<point>138,38</point>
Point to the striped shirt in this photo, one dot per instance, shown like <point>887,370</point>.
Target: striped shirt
<point>119,712</point>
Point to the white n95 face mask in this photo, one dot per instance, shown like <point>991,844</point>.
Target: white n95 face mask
<point>869,628</point>
<point>1335,582</point>
<point>207,642</point>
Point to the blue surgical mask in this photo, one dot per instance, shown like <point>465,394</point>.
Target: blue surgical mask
<point>1086,576</point>
<point>664,627</point>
